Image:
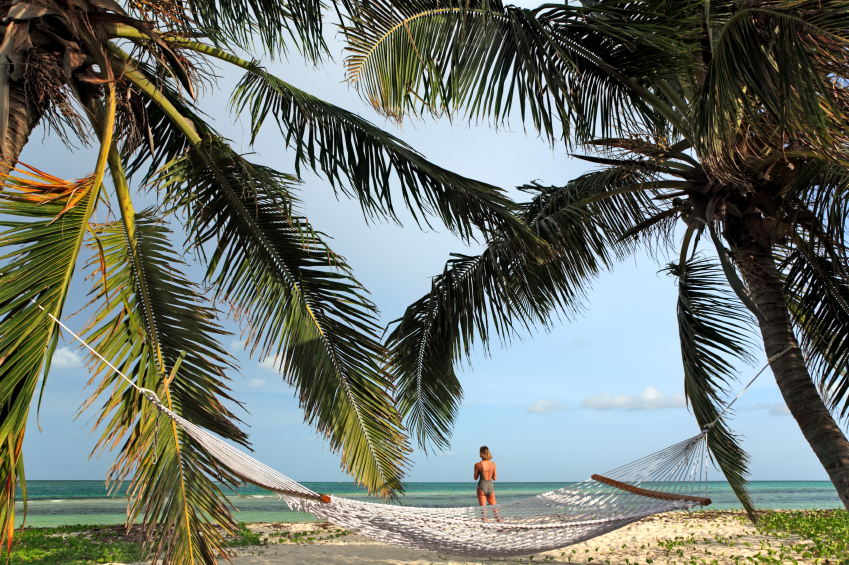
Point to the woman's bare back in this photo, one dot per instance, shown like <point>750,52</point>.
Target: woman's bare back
<point>488,472</point>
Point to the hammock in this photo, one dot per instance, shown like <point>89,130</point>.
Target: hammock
<point>674,478</point>
<point>531,525</point>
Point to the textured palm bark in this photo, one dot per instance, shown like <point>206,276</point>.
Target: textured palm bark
<point>24,115</point>
<point>791,373</point>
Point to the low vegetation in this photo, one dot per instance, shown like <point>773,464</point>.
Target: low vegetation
<point>74,545</point>
<point>91,545</point>
<point>820,537</point>
<point>827,532</point>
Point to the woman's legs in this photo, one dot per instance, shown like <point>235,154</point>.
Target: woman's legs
<point>491,500</point>
<point>482,501</point>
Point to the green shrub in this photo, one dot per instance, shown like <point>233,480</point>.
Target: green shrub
<point>72,545</point>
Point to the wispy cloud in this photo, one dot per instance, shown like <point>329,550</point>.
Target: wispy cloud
<point>65,358</point>
<point>270,364</point>
<point>256,382</point>
<point>546,406</point>
<point>649,399</point>
<point>447,454</point>
<point>578,343</point>
<point>236,346</point>
<point>778,408</point>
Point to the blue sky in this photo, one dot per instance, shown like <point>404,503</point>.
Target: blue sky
<point>594,393</point>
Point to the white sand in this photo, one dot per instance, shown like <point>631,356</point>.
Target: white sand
<point>698,539</point>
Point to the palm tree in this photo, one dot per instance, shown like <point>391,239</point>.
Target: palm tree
<point>128,76</point>
<point>728,115</point>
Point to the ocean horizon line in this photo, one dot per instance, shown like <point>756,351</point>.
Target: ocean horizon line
<point>57,502</point>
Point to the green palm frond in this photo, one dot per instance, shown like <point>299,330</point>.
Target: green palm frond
<point>153,324</point>
<point>713,326</point>
<point>347,147</point>
<point>299,302</point>
<point>242,24</point>
<point>508,284</point>
<point>44,220</point>
<point>159,140</point>
<point>815,274</point>
<point>817,207</point>
<point>817,295</point>
<point>352,152</point>
<point>269,23</point>
<point>554,64</point>
<point>753,78</point>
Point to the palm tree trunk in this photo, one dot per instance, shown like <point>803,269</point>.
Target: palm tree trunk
<point>24,115</point>
<point>791,373</point>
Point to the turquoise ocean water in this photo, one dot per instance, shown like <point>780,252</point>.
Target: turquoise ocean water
<point>53,503</point>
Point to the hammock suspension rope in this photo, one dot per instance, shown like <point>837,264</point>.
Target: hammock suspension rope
<point>671,479</point>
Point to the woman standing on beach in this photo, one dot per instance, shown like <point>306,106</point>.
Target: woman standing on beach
<point>485,474</point>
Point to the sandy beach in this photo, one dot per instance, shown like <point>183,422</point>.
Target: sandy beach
<point>714,538</point>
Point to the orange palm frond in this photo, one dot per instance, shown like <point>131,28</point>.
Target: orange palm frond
<point>33,185</point>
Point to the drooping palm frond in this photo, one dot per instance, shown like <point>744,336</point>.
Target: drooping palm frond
<point>153,324</point>
<point>554,64</point>
<point>817,208</point>
<point>753,78</point>
<point>817,295</point>
<point>815,270</point>
<point>44,221</point>
<point>243,24</point>
<point>357,157</point>
<point>346,147</point>
<point>160,141</point>
<point>269,23</point>
<point>510,284</point>
<point>713,326</point>
<point>299,302</point>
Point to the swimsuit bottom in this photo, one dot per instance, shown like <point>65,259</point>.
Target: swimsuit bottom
<point>486,487</point>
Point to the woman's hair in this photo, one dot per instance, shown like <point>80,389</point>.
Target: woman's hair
<point>485,454</point>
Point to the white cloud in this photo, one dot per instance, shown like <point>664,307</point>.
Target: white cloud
<point>778,408</point>
<point>65,358</point>
<point>270,364</point>
<point>758,406</point>
<point>649,399</point>
<point>237,346</point>
<point>546,406</point>
<point>256,382</point>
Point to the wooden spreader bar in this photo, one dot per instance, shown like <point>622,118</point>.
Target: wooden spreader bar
<point>650,493</point>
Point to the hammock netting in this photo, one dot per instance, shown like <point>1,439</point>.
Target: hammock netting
<point>672,479</point>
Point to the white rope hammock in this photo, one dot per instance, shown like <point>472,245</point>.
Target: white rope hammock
<point>671,479</point>
<point>531,525</point>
